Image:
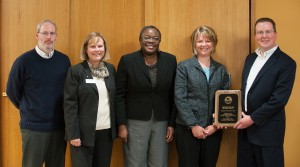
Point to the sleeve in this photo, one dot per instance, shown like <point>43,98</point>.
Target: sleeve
<point>225,79</point>
<point>121,90</point>
<point>71,102</point>
<point>172,103</point>
<point>14,87</point>
<point>181,96</point>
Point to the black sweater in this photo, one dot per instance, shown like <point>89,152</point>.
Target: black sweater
<point>35,86</point>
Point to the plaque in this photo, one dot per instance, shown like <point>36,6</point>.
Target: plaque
<point>228,109</point>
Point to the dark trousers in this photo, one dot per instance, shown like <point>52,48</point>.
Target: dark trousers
<point>40,148</point>
<point>251,155</point>
<point>193,152</point>
<point>94,156</point>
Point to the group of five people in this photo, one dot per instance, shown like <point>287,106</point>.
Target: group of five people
<point>147,101</point>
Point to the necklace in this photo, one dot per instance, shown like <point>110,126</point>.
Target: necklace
<point>150,60</point>
<point>150,64</point>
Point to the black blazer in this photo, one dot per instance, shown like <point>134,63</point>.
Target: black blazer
<point>267,98</point>
<point>135,98</point>
<point>81,103</point>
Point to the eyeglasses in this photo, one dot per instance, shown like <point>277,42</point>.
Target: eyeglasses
<point>47,33</point>
<point>148,39</point>
<point>268,32</point>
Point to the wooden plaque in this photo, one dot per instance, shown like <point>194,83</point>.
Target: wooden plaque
<point>228,108</point>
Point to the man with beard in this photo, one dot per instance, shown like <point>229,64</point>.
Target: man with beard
<point>145,102</point>
<point>35,86</point>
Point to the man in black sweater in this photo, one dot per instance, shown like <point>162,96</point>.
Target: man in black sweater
<point>35,86</point>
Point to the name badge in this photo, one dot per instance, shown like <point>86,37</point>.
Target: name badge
<point>90,81</point>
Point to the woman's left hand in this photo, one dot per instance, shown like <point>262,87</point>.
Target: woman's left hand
<point>211,129</point>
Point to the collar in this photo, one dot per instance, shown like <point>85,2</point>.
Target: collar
<point>43,54</point>
<point>267,53</point>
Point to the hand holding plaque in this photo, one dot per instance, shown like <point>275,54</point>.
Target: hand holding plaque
<point>228,108</point>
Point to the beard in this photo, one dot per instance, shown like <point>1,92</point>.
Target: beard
<point>47,46</point>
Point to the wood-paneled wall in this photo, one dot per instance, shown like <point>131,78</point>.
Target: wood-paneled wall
<point>120,21</point>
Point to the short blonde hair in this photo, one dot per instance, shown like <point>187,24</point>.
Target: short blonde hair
<point>207,32</point>
<point>93,37</point>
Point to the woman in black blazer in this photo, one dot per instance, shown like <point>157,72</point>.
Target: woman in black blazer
<point>89,105</point>
<point>145,102</point>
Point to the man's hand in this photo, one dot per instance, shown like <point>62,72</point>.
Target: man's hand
<point>245,122</point>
